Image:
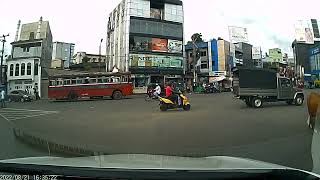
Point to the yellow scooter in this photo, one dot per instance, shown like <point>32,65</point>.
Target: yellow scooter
<point>183,103</point>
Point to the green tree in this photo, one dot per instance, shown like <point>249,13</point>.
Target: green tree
<point>86,63</point>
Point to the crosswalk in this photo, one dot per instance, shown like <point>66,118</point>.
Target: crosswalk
<point>12,114</point>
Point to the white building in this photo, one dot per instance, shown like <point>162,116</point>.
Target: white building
<point>145,37</point>
<point>31,55</point>
<point>64,52</point>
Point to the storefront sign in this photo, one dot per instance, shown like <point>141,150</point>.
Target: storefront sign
<point>146,60</point>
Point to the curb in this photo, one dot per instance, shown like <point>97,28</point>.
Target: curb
<point>52,147</point>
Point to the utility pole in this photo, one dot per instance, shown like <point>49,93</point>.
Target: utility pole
<point>3,40</point>
<point>194,53</point>
<point>100,55</point>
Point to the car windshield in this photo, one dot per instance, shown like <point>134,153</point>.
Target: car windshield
<point>238,79</point>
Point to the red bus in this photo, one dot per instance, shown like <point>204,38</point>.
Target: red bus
<point>93,85</point>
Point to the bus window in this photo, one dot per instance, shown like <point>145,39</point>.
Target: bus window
<point>67,82</point>
<point>93,80</point>
<point>73,81</point>
<point>86,81</point>
<point>105,80</point>
<point>115,79</point>
<point>52,83</point>
<point>124,79</point>
<point>79,81</point>
<point>59,82</point>
<point>99,80</point>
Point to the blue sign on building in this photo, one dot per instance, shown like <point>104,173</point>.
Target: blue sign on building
<point>314,58</point>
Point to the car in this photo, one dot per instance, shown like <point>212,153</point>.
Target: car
<point>19,95</point>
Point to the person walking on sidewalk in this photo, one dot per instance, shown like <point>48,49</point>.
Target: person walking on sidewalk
<point>2,98</point>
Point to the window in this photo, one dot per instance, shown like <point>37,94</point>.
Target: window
<point>203,53</point>
<point>79,81</point>
<point>52,83</point>
<point>31,36</point>
<point>99,80</point>
<point>67,82</point>
<point>105,80</point>
<point>36,68</point>
<point>16,73</point>
<point>23,69</point>
<point>285,82</point>
<point>29,69</point>
<point>59,82</point>
<point>73,81</point>
<point>92,80</point>
<point>11,69</point>
<point>204,66</point>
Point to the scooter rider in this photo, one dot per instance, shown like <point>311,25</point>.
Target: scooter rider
<point>169,93</point>
<point>157,90</point>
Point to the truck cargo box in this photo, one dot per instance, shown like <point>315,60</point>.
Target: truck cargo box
<point>254,78</point>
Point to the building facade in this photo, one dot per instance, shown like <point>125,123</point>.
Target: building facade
<point>244,53</point>
<point>83,61</point>
<point>31,55</point>
<point>145,37</point>
<point>314,58</point>
<point>301,57</point>
<point>64,52</point>
<point>214,58</point>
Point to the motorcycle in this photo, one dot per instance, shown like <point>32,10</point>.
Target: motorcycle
<point>183,103</point>
<point>150,96</point>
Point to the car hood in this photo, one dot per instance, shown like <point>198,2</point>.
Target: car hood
<point>142,161</point>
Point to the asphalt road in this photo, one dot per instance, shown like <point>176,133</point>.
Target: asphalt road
<point>217,124</point>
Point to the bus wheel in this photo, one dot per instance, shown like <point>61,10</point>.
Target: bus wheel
<point>117,95</point>
<point>72,96</point>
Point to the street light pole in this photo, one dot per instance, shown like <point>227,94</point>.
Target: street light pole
<point>1,65</point>
<point>100,55</point>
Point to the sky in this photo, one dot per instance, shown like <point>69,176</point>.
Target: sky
<point>270,23</point>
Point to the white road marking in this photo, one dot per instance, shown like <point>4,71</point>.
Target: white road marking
<point>12,114</point>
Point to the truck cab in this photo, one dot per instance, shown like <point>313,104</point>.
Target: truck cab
<point>286,90</point>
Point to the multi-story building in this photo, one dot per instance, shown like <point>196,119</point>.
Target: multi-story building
<point>145,37</point>
<point>88,62</point>
<point>244,53</point>
<point>64,52</point>
<point>31,55</point>
<point>214,59</point>
<point>301,57</point>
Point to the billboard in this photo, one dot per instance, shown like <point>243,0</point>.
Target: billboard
<point>238,34</point>
<point>256,52</point>
<point>309,36</point>
<point>174,46</point>
<point>148,60</point>
<point>159,45</point>
<point>307,31</point>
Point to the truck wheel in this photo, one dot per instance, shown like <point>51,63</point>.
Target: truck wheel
<point>72,96</point>
<point>257,102</point>
<point>298,100</point>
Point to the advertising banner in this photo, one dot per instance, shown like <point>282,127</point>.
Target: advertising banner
<point>300,34</point>
<point>238,34</point>
<point>159,45</point>
<point>174,46</point>
<point>256,53</point>
<point>309,36</point>
<point>146,60</point>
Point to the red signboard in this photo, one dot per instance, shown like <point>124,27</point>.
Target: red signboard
<point>159,45</point>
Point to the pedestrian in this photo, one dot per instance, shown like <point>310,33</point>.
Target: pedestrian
<point>36,93</point>
<point>2,96</point>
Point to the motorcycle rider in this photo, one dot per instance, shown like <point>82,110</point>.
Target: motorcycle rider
<point>157,90</point>
<point>169,93</point>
